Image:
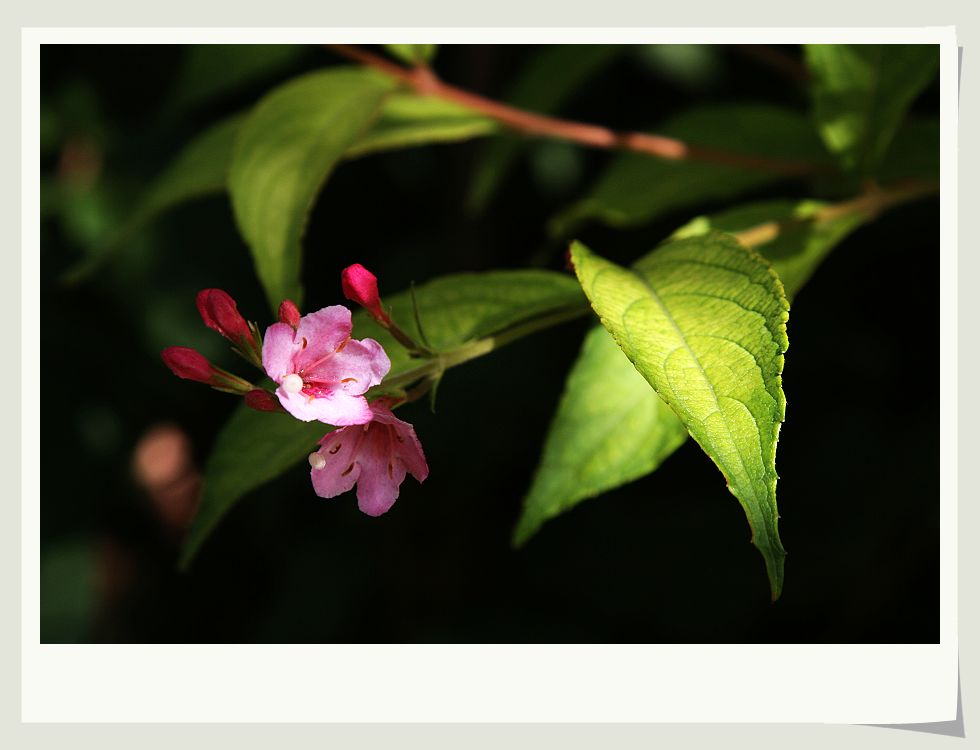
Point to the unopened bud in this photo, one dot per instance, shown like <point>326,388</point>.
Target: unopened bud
<point>361,286</point>
<point>188,364</point>
<point>289,313</point>
<point>262,400</point>
<point>220,313</point>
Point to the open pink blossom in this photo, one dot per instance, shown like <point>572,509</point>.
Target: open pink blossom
<point>323,373</point>
<point>375,456</point>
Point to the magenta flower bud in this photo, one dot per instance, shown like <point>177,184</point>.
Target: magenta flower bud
<point>361,286</point>
<point>188,364</point>
<point>289,313</point>
<point>262,400</point>
<point>220,313</point>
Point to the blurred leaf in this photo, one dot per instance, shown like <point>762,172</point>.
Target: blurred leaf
<point>610,427</point>
<point>251,449</point>
<point>287,147</point>
<point>255,447</point>
<point>413,54</point>
<point>637,188</point>
<point>212,70</point>
<point>914,153</point>
<point>704,321</point>
<point>861,93</point>
<point>550,79</point>
<point>200,169</point>
<point>691,66</point>
<point>412,120</point>
<point>68,592</point>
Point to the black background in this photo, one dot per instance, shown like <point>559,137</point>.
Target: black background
<point>664,559</point>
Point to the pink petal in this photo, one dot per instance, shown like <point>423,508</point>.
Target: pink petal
<point>381,474</point>
<point>339,449</point>
<point>358,366</point>
<point>337,408</point>
<point>278,349</point>
<point>324,331</point>
<point>406,446</point>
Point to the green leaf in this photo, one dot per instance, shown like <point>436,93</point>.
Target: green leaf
<point>637,188</point>
<point>550,79</point>
<point>413,54</point>
<point>199,170</point>
<point>704,321</point>
<point>255,447</point>
<point>459,308</point>
<point>861,92</point>
<point>252,448</point>
<point>610,429</point>
<point>212,70</point>
<point>627,423</point>
<point>413,120</point>
<point>287,147</point>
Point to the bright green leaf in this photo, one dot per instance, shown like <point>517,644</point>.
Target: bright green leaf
<point>413,120</point>
<point>287,147</point>
<point>252,448</point>
<point>637,188</point>
<point>255,447</point>
<point>550,79</point>
<point>627,423</point>
<point>861,93</point>
<point>704,321</point>
<point>413,54</point>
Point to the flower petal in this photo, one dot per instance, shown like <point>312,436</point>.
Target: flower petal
<point>323,331</point>
<point>381,474</point>
<point>278,349</point>
<point>341,470</point>
<point>355,368</point>
<point>337,408</point>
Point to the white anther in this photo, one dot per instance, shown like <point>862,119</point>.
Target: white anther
<point>292,383</point>
<point>317,461</point>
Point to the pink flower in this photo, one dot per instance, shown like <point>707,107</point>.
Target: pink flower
<point>323,373</point>
<point>361,286</point>
<point>375,456</point>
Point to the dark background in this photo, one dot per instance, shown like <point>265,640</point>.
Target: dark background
<point>665,559</point>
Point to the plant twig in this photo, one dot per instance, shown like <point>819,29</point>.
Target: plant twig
<point>425,81</point>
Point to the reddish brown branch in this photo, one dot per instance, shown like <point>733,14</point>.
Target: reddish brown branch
<point>424,81</point>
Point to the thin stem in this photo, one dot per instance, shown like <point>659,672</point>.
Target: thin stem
<point>425,81</point>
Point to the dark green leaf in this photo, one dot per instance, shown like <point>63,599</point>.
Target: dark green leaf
<point>550,79</point>
<point>252,448</point>
<point>704,321</point>
<point>861,93</point>
<point>287,147</point>
<point>637,188</point>
<point>200,169</point>
<point>212,70</point>
<point>914,154</point>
